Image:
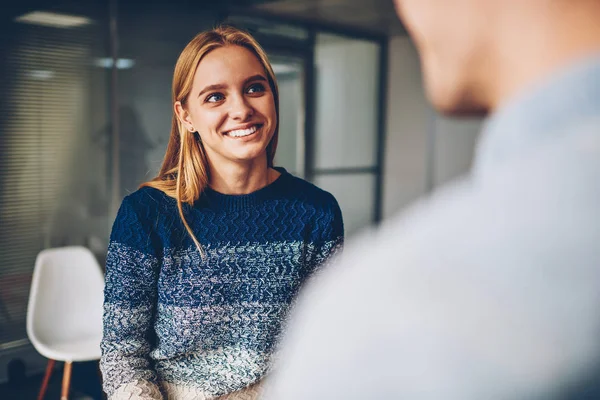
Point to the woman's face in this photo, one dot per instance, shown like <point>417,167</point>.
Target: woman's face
<point>231,106</point>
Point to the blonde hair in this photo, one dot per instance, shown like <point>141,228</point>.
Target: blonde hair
<point>184,173</point>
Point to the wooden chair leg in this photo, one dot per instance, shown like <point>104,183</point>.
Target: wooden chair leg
<point>47,375</point>
<point>66,381</point>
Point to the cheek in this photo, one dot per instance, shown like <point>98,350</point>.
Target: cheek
<point>208,120</point>
<point>266,106</point>
<point>418,18</point>
<point>273,117</point>
<point>443,28</point>
<point>432,24</point>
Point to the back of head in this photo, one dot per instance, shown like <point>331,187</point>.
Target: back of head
<point>478,54</point>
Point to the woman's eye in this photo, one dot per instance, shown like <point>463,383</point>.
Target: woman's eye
<point>214,98</point>
<point>256,88</point>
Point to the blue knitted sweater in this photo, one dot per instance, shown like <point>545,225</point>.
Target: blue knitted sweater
<point>174,321</point>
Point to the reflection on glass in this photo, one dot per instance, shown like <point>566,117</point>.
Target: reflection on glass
<point>290,147</point>
<point>347,79</point>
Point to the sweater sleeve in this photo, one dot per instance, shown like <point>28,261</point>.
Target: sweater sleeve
<point>129,305</point>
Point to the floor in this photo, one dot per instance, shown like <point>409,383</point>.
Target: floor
<point>85,384</point>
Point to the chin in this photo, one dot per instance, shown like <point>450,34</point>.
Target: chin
<point>454,94</point>
<point>249,156</point>
<point>457,103</point>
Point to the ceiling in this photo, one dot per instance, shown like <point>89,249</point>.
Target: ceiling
<point>371,16</point>
<point>376,16</point>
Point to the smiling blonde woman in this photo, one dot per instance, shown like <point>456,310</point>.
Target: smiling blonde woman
<point>205,260</point>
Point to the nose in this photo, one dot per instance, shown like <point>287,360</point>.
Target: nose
<point>240,109</point>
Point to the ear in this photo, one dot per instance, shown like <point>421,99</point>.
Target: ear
<point>184,116</point>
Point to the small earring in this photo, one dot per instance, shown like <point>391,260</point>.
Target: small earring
<point>191,129</point>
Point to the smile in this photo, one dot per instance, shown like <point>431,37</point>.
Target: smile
<point>238,133</point>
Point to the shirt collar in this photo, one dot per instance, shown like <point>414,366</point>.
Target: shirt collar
<point>541,114</point>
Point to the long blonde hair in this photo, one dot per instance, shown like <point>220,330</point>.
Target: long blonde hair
<point>184,173</point>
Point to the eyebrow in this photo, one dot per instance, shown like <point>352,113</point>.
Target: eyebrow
<point>221,86</point>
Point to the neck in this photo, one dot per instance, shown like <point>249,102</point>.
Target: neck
<point>241,178</point>
<point>549,38</point>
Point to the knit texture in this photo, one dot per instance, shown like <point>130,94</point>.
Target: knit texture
<point>208,326</point>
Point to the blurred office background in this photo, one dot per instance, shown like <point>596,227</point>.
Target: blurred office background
<point>85,114</point>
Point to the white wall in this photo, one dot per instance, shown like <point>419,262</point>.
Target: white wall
<point>422,149</point>
<point>346,124</point>
<point>346,97</point>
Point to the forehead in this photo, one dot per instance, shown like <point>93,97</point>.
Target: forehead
<point>227,65</point>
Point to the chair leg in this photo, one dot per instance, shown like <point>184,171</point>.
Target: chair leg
<point>66,381</point>
<point>47,375</point>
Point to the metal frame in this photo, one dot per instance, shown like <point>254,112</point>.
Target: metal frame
<point>312,25</point>
<point>381,127</point>
<point>310,110</point>
<point>114,140</point>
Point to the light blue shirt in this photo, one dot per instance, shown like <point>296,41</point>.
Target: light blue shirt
<point>489,289</point>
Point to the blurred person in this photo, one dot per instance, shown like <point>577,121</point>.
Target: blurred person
<point>489,288</point>
<point>204,261</point>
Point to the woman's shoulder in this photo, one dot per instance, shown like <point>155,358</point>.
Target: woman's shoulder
<point>309,192</point>
<point>148,202</point>
<point>147,195</point>
<point>146,211</point>
<point>321,204</point>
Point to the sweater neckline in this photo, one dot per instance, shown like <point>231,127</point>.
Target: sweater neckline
<point>232,202</point>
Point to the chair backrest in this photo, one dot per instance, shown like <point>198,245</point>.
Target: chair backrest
<point>66,296</point>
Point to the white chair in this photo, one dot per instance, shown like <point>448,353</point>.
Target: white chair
<point>64,314</point>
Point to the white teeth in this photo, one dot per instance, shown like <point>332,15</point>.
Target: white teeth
<point>242,132</point>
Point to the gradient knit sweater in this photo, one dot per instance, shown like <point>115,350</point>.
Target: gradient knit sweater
<point>188,327</point>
